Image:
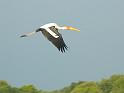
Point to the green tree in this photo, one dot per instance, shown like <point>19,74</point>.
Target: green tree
<point>105,85</point>
<point>4,87</point>
<point>118,86</point>
<point>28,89</point>
<point>70,88</point>
<point>88,87</point>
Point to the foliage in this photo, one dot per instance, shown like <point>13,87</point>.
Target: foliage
<point>28,89</point>
<point>114,84</point>
<point>88,87</point>
<point>4,87</point>
<point>118,85</point>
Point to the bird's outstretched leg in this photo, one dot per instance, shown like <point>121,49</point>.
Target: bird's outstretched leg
<point>28,34</point>
<point>32,33</point>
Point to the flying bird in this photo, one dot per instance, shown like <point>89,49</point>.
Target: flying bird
<point>50,31</point>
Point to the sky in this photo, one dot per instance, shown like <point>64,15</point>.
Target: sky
<point>96,52</point>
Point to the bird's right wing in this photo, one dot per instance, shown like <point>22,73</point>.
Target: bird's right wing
<point>57,42</point>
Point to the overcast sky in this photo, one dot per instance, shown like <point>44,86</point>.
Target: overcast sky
<point>95,53</point>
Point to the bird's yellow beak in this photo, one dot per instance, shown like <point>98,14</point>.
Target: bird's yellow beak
<point>71,28</point>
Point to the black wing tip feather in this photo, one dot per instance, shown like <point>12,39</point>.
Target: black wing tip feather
<point>63,48</point>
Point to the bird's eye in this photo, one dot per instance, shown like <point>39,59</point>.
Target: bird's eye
<point>53,26</point>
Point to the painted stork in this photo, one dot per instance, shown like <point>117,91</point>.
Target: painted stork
<point>50,31</point>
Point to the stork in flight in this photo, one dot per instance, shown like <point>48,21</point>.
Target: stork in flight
<point>50,31</point>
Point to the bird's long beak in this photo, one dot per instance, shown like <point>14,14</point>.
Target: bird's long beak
<point>71,28</point>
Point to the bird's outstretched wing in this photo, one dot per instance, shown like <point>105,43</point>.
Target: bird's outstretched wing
<point>58,42</point>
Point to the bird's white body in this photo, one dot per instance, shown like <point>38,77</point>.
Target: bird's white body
<point>49,25</point>
<point>46,26</point>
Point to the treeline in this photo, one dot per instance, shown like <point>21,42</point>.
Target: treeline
<point>114,84</point>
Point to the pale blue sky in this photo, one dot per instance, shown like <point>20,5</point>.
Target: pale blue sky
<point>95,53</point>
